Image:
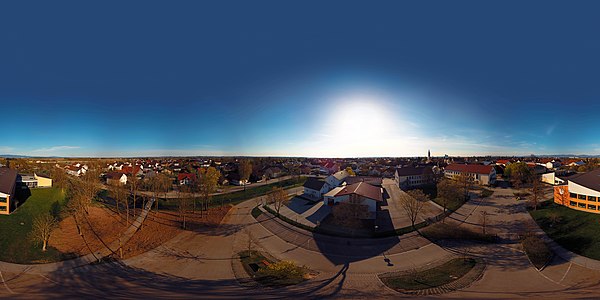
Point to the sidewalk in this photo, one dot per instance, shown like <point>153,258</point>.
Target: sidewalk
<point>82,260</point>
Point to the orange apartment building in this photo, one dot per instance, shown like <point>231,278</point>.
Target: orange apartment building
<point>581,192</point>
<point>8,182</point>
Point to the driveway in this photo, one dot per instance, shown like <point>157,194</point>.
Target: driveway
<point>394,211</point>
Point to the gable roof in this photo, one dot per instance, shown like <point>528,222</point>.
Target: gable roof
<point>477,169</point>
<point>363,189</point>
<point>182,176</point>
<point>8,180</point>
<point>340,175</point>
<point>314,183</point>
<point>114,175</point>
<point>377,181</point>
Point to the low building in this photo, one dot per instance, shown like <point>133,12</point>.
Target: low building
<point>42,181</point>
<point>363,194</point>
<point>186,178</point>
<point>581,192</point>
<point>411,177</point>
<point>480,174</point>
<point>116,178</point>
<point>551,178</point>
<point>315,188</point>
<point>337,178</point>
<point>8,183</point>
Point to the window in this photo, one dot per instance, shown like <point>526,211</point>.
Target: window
<point>2,200</point>
<point>573,195</point>
<point>592,207</point>
<point>581,197</point>
<point>592,198</point>
<point>581,205</point>
<point>3,207</point>
<point>573,203</point>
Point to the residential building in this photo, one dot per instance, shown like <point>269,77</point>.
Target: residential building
<point>480,174</point>
<point>186,178</point>
<point>411,177</point>
<point>8,183</point>
<point>361,193</point>
<point>315,188</point>
<point>337,178</point>
<point>582,192</point>
<point>113,178</point>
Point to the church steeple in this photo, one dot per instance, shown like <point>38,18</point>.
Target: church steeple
<point>428,154</point>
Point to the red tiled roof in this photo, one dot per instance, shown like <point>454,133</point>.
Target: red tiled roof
<point>477,169</point>
<point>362,189</point>
<point>190,176</point>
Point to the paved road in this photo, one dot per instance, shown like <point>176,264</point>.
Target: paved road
<point>202,264</point>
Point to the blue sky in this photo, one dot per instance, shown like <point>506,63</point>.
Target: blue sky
<point>336,79</point>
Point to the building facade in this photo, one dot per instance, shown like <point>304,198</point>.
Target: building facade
<point>480,174</point>
<point>581,192</point>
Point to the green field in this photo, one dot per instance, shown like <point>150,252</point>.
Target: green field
<point>575,230</point>
<point>15,242</point>
<point>238,197</point>
<point>434,277</point>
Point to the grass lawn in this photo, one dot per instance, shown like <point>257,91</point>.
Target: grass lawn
<point>241,196</point>
<point>437,276</point>
<point>15,242</point>
<point>575,230</point>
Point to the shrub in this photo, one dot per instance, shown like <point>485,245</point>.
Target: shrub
<point>283,270</point>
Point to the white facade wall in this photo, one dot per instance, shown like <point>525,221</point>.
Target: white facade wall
<point>578,189</point>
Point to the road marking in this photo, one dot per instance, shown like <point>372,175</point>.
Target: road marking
<point>568,269</point>
<point>6,285</point>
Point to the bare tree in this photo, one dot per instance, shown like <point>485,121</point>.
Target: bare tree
<point>278,197</point>
<point>42,228</point>
<point>245,170</point>
<point>465,182</point>
<point>119,194</point>
<point>183,204</point>
<point>60,178</point>
<point>133,182</point>
<point>537,193</point>
<point>447,192</point>
<point>413,204</point>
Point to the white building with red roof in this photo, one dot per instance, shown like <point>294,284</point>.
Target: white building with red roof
<point>483,175</point>
<point>360,193</point>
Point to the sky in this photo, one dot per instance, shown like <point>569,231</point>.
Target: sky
<point>299,78</point>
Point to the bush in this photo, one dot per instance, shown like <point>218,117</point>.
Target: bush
<point>283,271</point>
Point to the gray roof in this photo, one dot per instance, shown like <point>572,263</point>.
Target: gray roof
<point>314,183</point>
<point>8,179</point>
<point>412,171</point>
<point>589,180</point>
